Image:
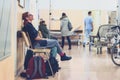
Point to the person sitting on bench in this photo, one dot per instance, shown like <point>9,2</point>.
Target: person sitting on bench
<point>38,42</point>
<point>45,32</point>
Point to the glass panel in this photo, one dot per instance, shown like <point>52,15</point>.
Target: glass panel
<point>8,42</point>
<point>8,33</point>
<point>5,27</point>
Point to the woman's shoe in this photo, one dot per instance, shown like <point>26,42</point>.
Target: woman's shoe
<point>23,75</point>
<point>62,47</point>
<point>69,48</point>
<point>64,58</point>
<point>59,68</point>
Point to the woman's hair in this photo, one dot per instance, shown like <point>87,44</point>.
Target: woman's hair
<point>24,15</point>
<point>41,22</point>
<point>64,14</point>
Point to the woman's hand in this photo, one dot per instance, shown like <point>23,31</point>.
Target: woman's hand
<point>38,38</point>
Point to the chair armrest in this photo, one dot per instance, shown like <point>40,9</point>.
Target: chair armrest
<point>41,50</point>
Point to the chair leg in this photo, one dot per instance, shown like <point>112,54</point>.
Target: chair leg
<point>97,50</point>
<point>100,50</point>
<point>49,63</point>
<point>90,45</point>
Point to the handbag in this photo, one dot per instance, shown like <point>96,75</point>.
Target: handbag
<point>69,26</point>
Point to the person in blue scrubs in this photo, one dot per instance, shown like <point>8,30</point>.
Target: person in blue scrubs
<point>88,23</point>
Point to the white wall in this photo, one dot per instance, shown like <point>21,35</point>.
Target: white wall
<point>34,11</point>
<point>79,4</point>
<point>31,6</point>
<point>118,12</point>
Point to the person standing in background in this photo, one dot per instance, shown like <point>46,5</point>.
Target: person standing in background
<point>64,30</point>
<point>88,23</point>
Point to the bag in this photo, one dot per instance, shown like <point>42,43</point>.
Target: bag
<point>69,26</point>
<point>36,68</point>
<point>54,65</point>
<point>28,56</point>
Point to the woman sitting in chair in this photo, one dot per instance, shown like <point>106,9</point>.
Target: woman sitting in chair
<point>38,42</point>
<point>45,32</point>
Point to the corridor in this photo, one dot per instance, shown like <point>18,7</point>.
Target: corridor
<point>86,65</point>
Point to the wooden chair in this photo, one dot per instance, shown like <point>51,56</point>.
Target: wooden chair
<point>40,34</point>
<point>46,51</point>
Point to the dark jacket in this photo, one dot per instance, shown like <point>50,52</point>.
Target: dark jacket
<point>33,33</point>
<point>44,30</point>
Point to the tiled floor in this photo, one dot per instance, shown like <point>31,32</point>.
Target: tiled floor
<point>86,65</point>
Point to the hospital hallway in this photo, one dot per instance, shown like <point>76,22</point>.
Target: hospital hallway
<point>23,24</point>
<point>86,65</point>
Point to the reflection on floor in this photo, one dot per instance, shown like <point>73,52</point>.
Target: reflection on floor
<point>86,65</point>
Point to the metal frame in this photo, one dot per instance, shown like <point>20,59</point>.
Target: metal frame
<point>98,44</point>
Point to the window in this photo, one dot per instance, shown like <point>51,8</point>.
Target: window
<point>5,28</point>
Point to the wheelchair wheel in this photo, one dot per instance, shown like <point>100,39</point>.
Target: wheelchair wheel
<point>115,55</point>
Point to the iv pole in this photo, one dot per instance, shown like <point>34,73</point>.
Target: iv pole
<point>50,14</point>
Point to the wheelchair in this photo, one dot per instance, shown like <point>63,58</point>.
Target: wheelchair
<point>102,39</point>
<point>115,56</point>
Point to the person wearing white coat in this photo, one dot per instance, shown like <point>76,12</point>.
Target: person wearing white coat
<point>64,30</point>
